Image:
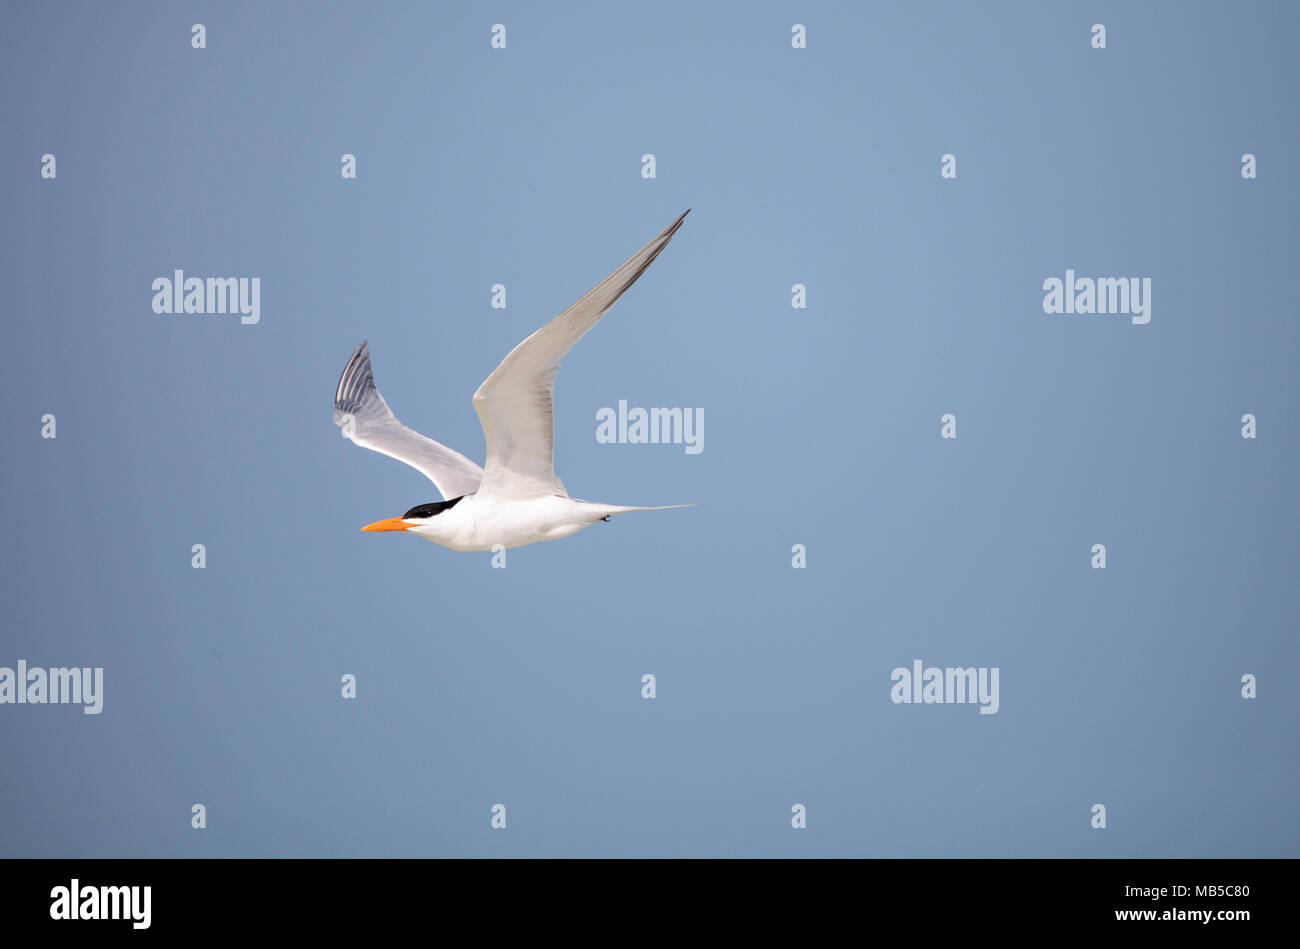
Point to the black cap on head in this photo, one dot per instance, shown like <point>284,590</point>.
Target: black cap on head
<point>430,509</point>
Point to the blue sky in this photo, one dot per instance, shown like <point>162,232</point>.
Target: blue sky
<point>522,686</point>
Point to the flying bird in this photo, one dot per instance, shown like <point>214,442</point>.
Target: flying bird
<point>516,497</point>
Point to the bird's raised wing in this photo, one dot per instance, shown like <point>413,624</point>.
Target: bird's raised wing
<point>365,418</point>
<point>516,403</point>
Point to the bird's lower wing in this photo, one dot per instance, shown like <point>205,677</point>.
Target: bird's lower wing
<point>365,418</point>
<point>515,403</point>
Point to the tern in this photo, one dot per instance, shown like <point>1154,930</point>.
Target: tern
<point>515,498</point>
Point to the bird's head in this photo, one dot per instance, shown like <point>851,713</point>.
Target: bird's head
<point>417,520</point>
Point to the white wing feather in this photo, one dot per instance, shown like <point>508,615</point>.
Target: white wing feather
<point>365,418</point>
<point>515,403</point>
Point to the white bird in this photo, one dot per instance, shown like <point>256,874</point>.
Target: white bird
<point>515,498</point>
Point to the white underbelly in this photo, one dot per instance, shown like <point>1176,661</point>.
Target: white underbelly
<point>484,524</point>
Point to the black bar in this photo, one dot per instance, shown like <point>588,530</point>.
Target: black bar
<point>333,897</point>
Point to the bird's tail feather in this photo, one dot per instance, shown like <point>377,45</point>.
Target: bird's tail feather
<point>604,510</point>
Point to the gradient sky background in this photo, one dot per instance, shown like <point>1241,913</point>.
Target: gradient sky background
<point>522,686</point>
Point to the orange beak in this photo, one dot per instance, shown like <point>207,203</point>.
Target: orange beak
<point>388,524</point>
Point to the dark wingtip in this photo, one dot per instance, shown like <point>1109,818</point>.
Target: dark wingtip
<point>671,229</point>
<point>357,377</point>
